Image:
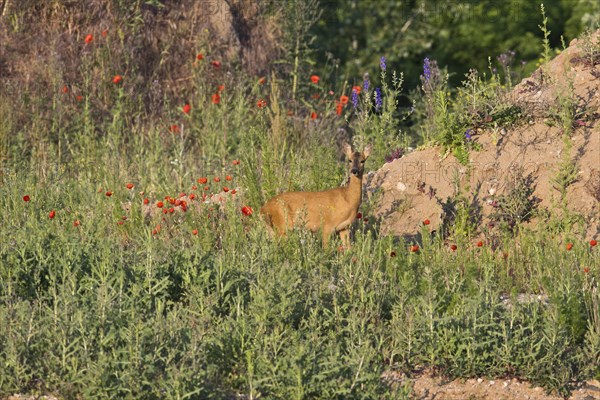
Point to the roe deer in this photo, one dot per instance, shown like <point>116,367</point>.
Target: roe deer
<point>329,210</point>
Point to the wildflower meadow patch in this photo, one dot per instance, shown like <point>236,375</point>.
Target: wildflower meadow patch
<point>135,262</point>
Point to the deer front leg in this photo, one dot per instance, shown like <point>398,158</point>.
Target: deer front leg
<point>345,236</point>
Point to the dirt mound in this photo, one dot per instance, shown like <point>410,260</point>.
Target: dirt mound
<point>419,185</point>
<point>427,386</point>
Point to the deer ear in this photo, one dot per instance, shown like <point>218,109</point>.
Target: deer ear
<point>348,150</point>
<point>367,150</point>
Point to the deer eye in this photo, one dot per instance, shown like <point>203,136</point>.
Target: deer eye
<point>362,161</point>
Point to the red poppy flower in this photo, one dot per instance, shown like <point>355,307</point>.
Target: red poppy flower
<point>313,115</point>
<point>192,196</point>
<point>165,211</point>
<point>220,88</point>
<point>262,80</point>
<point>79,97</point>
<point>146,201</point>
<point>216,64</point>
<point>120,222</point>
<point>171,210</point>
<point>130,186</point>
<point>356,89</point>
<point>195,232</point>
<point>108,193</point>
<point>26,198</point>
<point>199,56</point>
<point>225,189</point>
<point>89,38</point>
<point>206,188</point>
<point>104,33</point>
<point>453,247</point>
<point>593,243</point>
<point>344,99</point>
<point>216,98</point>
<point>261,103</point>
<point>202,180</point>
<point>117,79</point>
<point>338,108</point>
<point>586,270</point>
<point>358,215</point>
<point>52,214</point>
<point>569,246</point>
<point>315,79</point>
<point>247,211</point>
<point>236,162</point>
<point>217,179</point>
<point>65,89</point>
<point>160,204</point>
<point>228,178</point>
<point>480,244</point>
<point>426,222</point>
<point>177,203</point>
<point>414,248</point>
<point>233,191</point>
<point>76,223</point>
<point>186,109</point>
<point>174,129</point>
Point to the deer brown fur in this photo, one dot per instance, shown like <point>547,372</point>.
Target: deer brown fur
<point>329,210</point>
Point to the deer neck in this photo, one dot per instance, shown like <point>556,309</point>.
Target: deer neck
<point>354,188</point>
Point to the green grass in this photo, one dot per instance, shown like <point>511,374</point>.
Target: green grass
<point>141,307</point>
<point>108,310</point>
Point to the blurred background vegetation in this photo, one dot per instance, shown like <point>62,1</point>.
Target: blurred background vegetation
<point>352,35</point>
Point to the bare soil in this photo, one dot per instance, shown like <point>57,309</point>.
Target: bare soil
<point>427,386</point>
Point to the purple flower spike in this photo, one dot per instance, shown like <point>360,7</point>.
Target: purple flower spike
<point>355,99</point>
<point>378,99</point>
<point>427,69</point>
